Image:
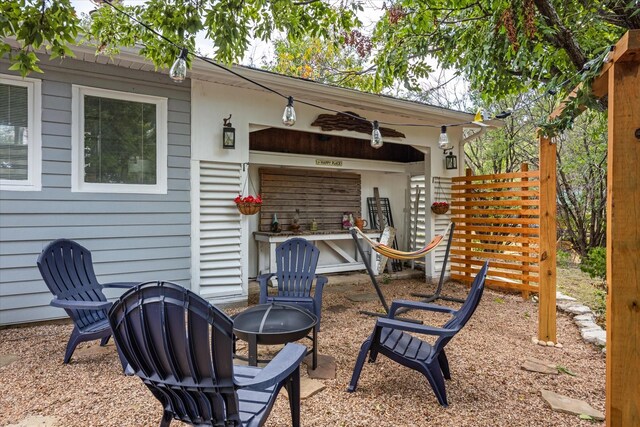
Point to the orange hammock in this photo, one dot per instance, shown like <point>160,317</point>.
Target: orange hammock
<point>392,253</point>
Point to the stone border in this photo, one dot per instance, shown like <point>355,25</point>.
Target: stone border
<point>584,318</point>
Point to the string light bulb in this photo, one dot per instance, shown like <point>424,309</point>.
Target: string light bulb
<point>376,136</point>
<point>178,71</point>
<point>443,141</point>
<point>289,115</point>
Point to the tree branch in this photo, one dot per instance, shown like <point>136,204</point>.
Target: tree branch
<point>563,39</point>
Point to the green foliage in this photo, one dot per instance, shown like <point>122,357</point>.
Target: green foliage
<point>228,24</point>
<point>35,24</point>
<point>600,306</point>
<point>563,258</point>
<point>595,263</point>
<point>582,182</point>
<point>502,47</point>
<point>320,60</point>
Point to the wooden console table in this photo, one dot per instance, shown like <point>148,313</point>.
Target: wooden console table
<point>338,252</point>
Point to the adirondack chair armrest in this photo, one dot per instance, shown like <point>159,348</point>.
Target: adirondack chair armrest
<point>121,285</point>
<point>280,367</point>
<point>396,304</point>
<point>383,322</point>
<point>263,282</point>
<point>320,282</point>
<point>80,305</point>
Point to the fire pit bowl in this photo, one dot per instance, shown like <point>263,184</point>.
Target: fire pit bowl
<point>273,323</point>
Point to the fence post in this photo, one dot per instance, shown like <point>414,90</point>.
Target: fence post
<point>547,251</point>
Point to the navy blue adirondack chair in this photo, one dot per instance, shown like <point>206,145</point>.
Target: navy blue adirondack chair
<point>181,347</point>
<point>296,262</point>
<point>67,270</point>
<point>391,337</point>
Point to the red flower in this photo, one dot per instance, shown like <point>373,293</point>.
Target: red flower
<point>445,204</point>
<point>257,200</point>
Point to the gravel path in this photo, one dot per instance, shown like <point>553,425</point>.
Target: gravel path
<point>488,387</point>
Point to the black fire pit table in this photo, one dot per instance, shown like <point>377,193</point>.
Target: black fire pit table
<point>275,323</point>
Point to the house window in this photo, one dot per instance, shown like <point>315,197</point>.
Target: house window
<point>20,147</point>
<point>119,142</point>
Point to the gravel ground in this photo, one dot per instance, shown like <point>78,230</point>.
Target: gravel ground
<point>488,387</point>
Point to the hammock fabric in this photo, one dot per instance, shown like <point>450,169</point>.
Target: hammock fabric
<point>389,252</point>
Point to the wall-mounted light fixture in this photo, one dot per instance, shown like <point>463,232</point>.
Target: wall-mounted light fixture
<point>450,160</point>
<point>228,134</point>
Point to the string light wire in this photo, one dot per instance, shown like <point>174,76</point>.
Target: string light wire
<point>502,115</point>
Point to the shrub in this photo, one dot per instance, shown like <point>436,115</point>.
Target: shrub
<point>563,258</point>
<point>595,263</point>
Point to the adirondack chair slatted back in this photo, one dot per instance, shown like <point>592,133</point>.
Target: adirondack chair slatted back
<point>181,347</point>
<point>296,261</point>
<point>393,337</point>
<point>67,270</point>
<point>467,309</point>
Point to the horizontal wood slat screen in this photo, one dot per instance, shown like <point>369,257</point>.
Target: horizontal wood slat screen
<point>319,195</point>
<point>497,218</point>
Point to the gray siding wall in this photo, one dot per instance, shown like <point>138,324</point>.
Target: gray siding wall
<point>132,237</point>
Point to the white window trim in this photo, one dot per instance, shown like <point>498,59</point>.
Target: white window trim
<point>77,142</point>
<point>34,147</point>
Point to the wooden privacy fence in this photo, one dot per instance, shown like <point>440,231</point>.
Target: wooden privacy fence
<point>497,219</point>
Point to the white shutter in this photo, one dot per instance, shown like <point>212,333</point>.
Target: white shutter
<point>220,228</point>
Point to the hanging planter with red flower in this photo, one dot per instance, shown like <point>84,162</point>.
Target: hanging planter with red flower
<point>248,205</point>
<point>440,208</point>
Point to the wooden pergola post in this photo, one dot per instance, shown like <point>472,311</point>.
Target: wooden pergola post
<point>547,251</point>
<point>620,79</point>
<point>623,237</point>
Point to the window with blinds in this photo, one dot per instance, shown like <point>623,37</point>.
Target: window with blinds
<point>14,132</point>
<point>20,139</point>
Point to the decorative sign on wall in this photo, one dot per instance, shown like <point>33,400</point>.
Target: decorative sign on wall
<point>334,163</point>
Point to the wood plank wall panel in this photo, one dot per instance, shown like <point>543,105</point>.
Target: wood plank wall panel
<point>296,142</point>
<point>319,195</point>
<point>497,219</point>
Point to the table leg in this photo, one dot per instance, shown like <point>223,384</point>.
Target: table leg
<point>253,350</point>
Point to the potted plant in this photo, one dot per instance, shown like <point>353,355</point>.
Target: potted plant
<point>248,205</point>
<point>440,207</point>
